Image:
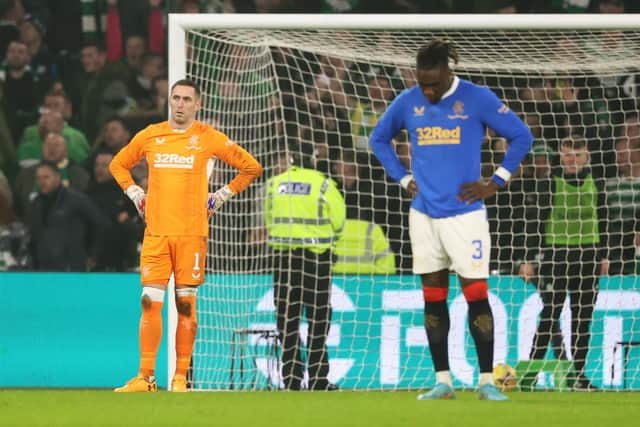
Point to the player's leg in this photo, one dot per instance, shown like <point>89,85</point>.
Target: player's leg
<point>288,302</point>
<point>553,292</point>
<point>468,244</point>
<point>549,324</point>
<point>432,264</point>
<point>155,269</point>
<point>584,292</point>
<point>189,253</point>
<point>317,304</point>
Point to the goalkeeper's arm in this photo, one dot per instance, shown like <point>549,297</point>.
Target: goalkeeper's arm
<point>249,169</point>
<point>217,199</point>
<point>120,169</point>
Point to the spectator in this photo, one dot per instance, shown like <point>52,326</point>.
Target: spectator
<point>11,14</point>
<point>43,63</point>
<point>57,100</point>
<point>572,223</point>
<point>141,87</point>
<point>7,147</point>
<point>22,90</point>
<point>366,112</point>
<point>610,6</point>
<point>623,201</point>
<point>115,135</point>
<point>99,90</point>
<point>124,232</point>
<point>54,150</point>
<point>134,50</point>
<point>363,249</point>
<point>52,113</point>
<point>133,18</point>
<point>6,200</point>
<point>66,227</point>
<point>12,232</point>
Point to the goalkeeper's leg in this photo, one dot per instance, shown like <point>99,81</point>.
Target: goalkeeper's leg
<point>185,334</point>
<point>150,332</point>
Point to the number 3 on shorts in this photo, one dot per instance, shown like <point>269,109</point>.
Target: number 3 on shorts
<point>477,249</point>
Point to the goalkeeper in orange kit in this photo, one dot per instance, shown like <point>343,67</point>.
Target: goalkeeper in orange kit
<point>175,209</point>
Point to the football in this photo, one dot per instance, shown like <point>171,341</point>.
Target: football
<point>504,377</point>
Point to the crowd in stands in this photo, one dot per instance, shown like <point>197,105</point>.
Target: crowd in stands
<point>79,78</point>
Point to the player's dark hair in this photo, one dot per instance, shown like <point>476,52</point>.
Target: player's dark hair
<point>436,54</point>
<point>187,82</point>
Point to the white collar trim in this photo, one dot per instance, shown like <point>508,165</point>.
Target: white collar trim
<point>454,86</point>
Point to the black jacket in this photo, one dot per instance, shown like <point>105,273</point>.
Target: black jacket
<point>66,229</point>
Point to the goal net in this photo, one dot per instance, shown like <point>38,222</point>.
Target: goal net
<point>281,85</point>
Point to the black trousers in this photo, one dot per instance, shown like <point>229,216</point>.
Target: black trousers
<point>573,272</point>
<point>302,279</point>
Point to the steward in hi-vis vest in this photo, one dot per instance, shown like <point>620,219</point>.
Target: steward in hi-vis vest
<point>573,253</point>
<point>304,216</point>
<point>363,249</point>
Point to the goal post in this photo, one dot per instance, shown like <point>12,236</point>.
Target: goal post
<point>315,84</point>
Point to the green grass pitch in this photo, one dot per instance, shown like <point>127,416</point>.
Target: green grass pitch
<point>283,409</point>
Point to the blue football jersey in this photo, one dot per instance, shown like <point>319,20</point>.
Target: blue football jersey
<point>446,141</point>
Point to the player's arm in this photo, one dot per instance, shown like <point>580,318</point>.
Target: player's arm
<point>237,157</point>
<point>120,167</point>
<point>387,127</point>
<point>497,116</point>
<point>507,124</point>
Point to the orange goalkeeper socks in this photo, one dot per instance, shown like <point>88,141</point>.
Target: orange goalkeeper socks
<point>185,332</point>
<point>150,336</point>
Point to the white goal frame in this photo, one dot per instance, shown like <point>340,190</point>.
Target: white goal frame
<point>179,24</point>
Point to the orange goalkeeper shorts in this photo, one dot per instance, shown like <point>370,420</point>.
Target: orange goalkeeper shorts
<point>184,256</point>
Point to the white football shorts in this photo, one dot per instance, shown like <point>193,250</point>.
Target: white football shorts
<point>461,243</point>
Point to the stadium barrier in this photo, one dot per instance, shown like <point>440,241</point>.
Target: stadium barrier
<point>80,330</point>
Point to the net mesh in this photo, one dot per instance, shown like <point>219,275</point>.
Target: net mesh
<point>319,93</point>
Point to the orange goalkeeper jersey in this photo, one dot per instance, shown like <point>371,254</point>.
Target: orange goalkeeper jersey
<point>176,202</point>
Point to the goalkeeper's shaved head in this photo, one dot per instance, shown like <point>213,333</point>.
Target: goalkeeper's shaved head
<point>436,53</point>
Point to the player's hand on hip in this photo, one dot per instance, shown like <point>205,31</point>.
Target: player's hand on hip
<point>138,197</point>
<point>409,184</point>
<point>217,199</point>
<point>473,191</point>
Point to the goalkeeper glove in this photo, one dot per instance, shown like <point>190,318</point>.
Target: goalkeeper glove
<point>137,196</point>
<point>215,200</point>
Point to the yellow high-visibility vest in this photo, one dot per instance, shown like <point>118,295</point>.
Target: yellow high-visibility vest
<point>303,209</point>
<point>363,249</point>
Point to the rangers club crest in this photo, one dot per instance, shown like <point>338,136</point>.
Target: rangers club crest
<point>458,111</point>
<point>194,143</point>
